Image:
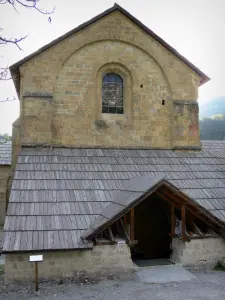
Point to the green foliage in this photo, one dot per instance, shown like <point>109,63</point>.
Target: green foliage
<point>219,266</point>
<point>213,128</point>
<point>218,117</point>
<point>213,107</point>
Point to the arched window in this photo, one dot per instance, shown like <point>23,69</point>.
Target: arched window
<point>112,94</point>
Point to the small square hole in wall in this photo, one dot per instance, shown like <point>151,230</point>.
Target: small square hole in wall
<point>163,102</point>
<point>141,86</point>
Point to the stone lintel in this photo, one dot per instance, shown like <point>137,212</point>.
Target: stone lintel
<point>37,95</point>
<point>181,102</point>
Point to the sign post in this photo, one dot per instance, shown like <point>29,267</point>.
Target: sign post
<point>36,259</point>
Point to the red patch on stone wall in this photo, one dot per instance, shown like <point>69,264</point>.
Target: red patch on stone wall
<point>193,127</point>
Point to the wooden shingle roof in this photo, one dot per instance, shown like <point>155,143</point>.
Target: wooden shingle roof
<point>138,189</point>
<point>57,193</point>
<point>5,153</point>
<point>213,144</point>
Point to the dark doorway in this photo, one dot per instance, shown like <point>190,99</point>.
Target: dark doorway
<point>152,228</point>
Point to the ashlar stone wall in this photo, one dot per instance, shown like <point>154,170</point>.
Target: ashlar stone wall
<point>198,252</point>
<point>4,175</point>
<point>16,144</point>
<point>61,91</point>
<point>104,259</point>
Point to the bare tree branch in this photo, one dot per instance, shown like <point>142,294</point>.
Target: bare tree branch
<point>27,4</point>
<point>5,41</point>
<point>4,74</point>
<point>30,4</point>
<point>9,100</point>
<point>15,41</point>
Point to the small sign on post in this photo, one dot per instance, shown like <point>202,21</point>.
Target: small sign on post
<point>121,242</point>
<point>36,259</point>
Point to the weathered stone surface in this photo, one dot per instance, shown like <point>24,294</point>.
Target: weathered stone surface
<point>16,143</point>
<point>198,252</point>
<point>72,71</point>
<point>105,259</point>
<point>4,175</point>
<point>185,124</point>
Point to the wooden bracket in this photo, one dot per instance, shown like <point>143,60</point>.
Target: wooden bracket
<point>125,231</point>
<point>196,229</point>
<point>111,235</point>
<point>183,218</point>
<point>132,224</point>
<point>125,219</point>
<point>172,220</point>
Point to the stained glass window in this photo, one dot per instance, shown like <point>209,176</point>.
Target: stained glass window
<point>112,94</point>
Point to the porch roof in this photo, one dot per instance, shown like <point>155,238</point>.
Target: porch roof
<point>133,193</point>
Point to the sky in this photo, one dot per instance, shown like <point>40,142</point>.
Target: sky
<point>195,28</point>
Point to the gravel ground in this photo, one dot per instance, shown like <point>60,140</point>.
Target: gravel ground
<point>207,286</point>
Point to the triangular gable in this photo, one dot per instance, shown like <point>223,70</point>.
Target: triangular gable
<point>138,189</point>
<point>14,69</point>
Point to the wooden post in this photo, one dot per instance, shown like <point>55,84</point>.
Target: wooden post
<point>172,220</point>
<point>36,275</point>
<point>183,218</point>
<point>111,235</point>
<point>125,220</point>
<point>132,224</point>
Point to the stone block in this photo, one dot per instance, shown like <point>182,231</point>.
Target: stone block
<point>4,175</point>
<point>199,251</point>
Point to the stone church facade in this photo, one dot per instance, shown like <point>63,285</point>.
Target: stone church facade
<point>60,89</point>
<point>96,105</point>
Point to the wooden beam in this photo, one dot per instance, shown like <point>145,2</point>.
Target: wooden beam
<point>172,220</point>
<point>197,214</point>
<point>36,276</point>
<point>196,229</point>
<point>196,209</point>
<point>198,237</point>
<point>125,219</point>
<point>111,235</point>
<point>132,224</point>
<point>118,227</point>
<point>166,198</point>
<point>177,205</point>
<point>181,199</point>
<point>212,232</point>
<point>125,231</point>
<point>103,242</point>
<point>183,218</point>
